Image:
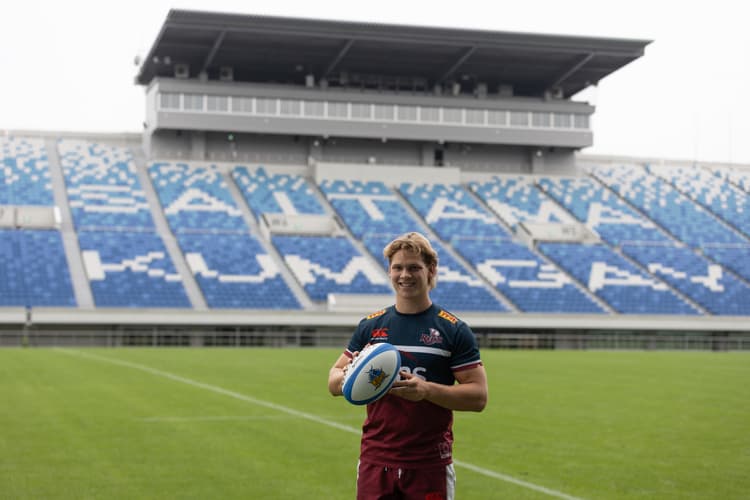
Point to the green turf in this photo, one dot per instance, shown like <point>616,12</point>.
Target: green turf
<point>121,423</point>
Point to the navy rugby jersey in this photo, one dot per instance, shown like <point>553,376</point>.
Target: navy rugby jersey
<point>433,345</point>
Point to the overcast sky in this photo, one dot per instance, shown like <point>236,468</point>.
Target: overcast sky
<point>69,65</point>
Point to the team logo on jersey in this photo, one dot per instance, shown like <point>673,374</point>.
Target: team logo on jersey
<point>376,376</point>
<point>379,333</point>
<point>431,338</point>
<point>445,450</point>
<point>448,316</point>
<point>376,314</point>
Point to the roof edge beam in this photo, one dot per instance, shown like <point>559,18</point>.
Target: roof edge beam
<point>337,59</point>
<point>461,59</point>
<point>576,66</point>
<point>214,49</point>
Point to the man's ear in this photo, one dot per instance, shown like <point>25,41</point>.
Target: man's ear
<point>432,270</point>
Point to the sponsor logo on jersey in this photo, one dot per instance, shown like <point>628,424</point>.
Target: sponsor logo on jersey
<point>376,376</point>
<point>379,333</point>
<point>448,316</point>
<point>431,338</point>
<point>376,314</point>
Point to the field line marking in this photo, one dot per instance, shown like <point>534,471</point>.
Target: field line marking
<point>221,418</point>
<point>216,418</point>
<point>215,389</point>
<point>302,414</point>
<point>511,479</point>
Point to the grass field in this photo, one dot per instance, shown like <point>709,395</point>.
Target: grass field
<point>259,423</point>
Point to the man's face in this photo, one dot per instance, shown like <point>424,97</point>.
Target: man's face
<point>410,276</point>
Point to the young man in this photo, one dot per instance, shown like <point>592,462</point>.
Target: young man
<point>407,437</point>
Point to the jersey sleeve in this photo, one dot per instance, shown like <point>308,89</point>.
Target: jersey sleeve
<point>465,351</point>
<point>359,339</point>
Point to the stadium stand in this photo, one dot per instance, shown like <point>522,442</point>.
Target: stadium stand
<point>451,211</point>
<point>713,193</point>
<point>262,208</point>
<point>24,172</point>
<point>735,258</point>
<point>130,269</point>
<point>706,283</point>
<point>234,271</point>
<point>669,208</point>
<point>33,265</point>
<point>529,281</point>
<point>516,199</point>
<point>621,284</point>
<point>740,178</point>
<point>601,210</point>
<point>33,269</point>
<point>230,265</point>
<point>102,187</point>
<point>195,197</point>
<point>276,193</point>
<point>368,208</point>
<point>330,265</point>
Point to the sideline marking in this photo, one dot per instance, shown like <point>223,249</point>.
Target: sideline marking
<point>220,418</point>
<point>302,414</point>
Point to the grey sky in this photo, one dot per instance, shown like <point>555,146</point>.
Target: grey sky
<point>69,65</point>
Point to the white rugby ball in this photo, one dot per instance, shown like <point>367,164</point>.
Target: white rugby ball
<point>371,373</point>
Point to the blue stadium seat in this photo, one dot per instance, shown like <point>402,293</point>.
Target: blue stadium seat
<point>705,282</point>
<point>324,265</point>
<point>12,285</point>
<point>733,175</point>
<point>34,269</point>
<point>195,197</point>
<point>736,258</point>
<point>618,282</point>
<point>452,212</point>
<point>103,187</point>
<point>601,210</point>
<point>278,193</point>
<point>369,208</point>
<point>526,279</point>
<point>24,172</point>
<point>714,193</point>
<point>234,271</point>
<point>673,211</point>
<point>517,199</point>
<point>130,269</point>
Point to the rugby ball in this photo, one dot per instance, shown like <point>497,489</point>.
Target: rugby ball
<point>371,373</point>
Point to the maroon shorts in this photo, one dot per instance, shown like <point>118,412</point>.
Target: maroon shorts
<point>376,482</point>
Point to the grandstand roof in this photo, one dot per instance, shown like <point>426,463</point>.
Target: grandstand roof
<point>285,50</point>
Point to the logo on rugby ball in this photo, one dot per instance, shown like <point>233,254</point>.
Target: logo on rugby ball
<point>376,376</point>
